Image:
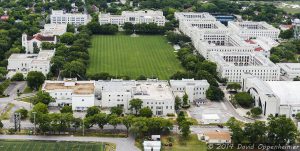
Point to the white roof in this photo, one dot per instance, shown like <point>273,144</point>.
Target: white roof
<point>152,144</point>
<point>210,116</point>
<point>287,91</point>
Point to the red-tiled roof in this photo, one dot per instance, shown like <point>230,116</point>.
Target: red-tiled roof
<point>41,37</point>
<point>4,17</point>
<point>259,49</point>
<point>250,41</point>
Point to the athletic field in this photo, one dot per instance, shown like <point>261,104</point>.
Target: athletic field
<point>48,146</point>
<point>133,56</point>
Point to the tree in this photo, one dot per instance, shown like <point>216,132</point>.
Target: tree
<point>43,97</point>
<point>23,112</point>
<point>146,112</point>
<point>116,110</point>
<point>128,27</point>
<point>91,111</point>
<point>237,135</point>
<point>185,129</point>
<point>298,116</point>
<point>256,111</point>
<point>76,123</point>
<point>101,119</point>
<point>66,109</point>
<point>185,99</point>
<point>75,68</point>
<point>127,121</point>
<point>233,86</point>
<point>67,38</point>
<point>255,132</point>
<point>214,93</point>
<point>40,108</point>
<point>208,66</point>
<point>114,120</point>
<point>297,78</point>
<point>274,58</point>
<point>135,104</point>
<point>18,77</point>
<point>177,103</point>
<point>70,28</point>
<point>35,79</point>
<point>1,124</point>
<point>244,99</point>
<point>287,34</point>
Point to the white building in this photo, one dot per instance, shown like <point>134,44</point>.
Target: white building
<point>134,17</point>
<point>212,137</point>
<point>79,94</point>
<point>232,65</point>
<point>35,41</point>
<point>274,97</point>
<point>296,24</point>
<point>210,118</point>
<point>77,19</point>
<point>263,45</point>
<point>54,29</point>
<point>152,145</point>
<point>195,89</point>
<point>223,43</point>
<point>192,16</point>
<point>156,95</point>
<point>24,63</point>
<point>250,29</point>
<point>289,71</point>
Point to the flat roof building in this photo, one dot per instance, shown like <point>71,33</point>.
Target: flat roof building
<point>250,29</point>
<point>289,71</point>
<point>274,97</point>
<point>61,17</point>
<point>232,65</point>
<point>134,17</point>
<point>193,16</point>
<point>54,29</point>
<point>195,89</point>
<point>155,94</point>
<point>79,94</point>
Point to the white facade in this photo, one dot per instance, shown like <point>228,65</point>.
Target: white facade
<point>263,45</point>
<point>223,43</point>
<point>79,94</point>
<point>274,97</point>
<point>30,42</point>
<point>289,71</point>
<point>77,19</point>
<point>24,63</point>
<point>134,17</point>
<point>195,89</point>
<point>232,65</point>
<point>54,29</point>
<point>152,145</point>
<point>192,16</point>
<point>156,95</point>
<point>250,29</point>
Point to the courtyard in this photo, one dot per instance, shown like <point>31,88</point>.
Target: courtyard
<point>126,55</point>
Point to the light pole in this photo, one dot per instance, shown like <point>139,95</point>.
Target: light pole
<point>34,122</point>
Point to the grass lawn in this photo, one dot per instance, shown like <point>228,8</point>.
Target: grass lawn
<point>179,144</point>
<point>133,56</point>
<point>14,145</point>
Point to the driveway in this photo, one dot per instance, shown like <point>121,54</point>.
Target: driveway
<point>123,144</point>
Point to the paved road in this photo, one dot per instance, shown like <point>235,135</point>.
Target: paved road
<point>123,144</point>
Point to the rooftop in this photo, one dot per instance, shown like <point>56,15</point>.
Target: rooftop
<point>289,66</point>
<point>41,37</point>
<point>77,87</point>
<point>194,16</point>
<point>218,135</point>
<point>287,91</point>
<point>18,56</point>
<point>254,25</point>
<point>188,82</point>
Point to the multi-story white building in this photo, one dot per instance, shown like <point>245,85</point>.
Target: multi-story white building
<point>263,45</point>
<point>203,30</point>
<point>296,28</point>
<point>156,95</point>
<point>250,29</point>
<point>134,17</point>
<point>77,19</point>
<point>54,29</point>
<point>79,94</point>
<point>274,97</point>
<point>232,65</point>
<point>24,63</point>
<point>192,16</point>
<point>289,71</point>
<point>195,89</point>
<point>35,41</point>
<point>222,43</point>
